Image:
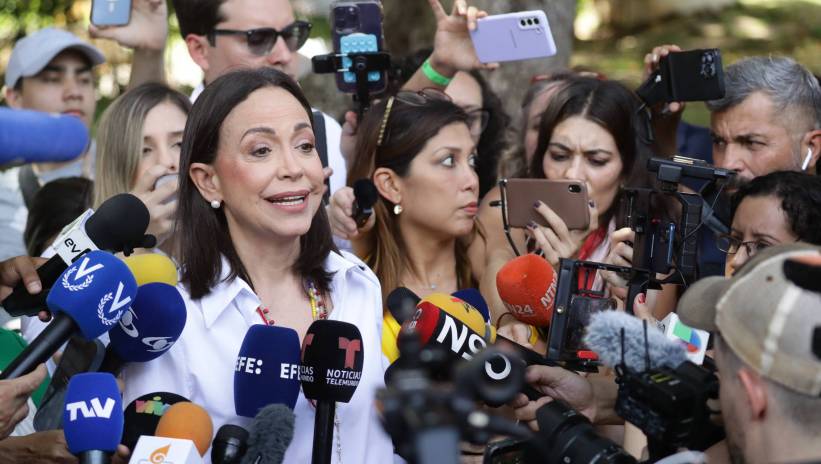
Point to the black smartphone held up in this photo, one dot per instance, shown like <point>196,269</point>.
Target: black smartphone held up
<point>356,27</point>
<point>693,75</point>
<point>110,12</point>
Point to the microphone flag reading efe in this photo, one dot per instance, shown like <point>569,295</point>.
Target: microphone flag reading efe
<point>527,287</point>
<point>144,413</point>
<point>267,369</point>
<point>88,298</point>
<point>93,416</point>
<point>148,328</point>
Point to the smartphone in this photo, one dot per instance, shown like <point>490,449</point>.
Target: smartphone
<point>567,198</point>
<point>110,12</point>
<point>513,37</point>
<point>356,26</point>
<point>164,179</point>
<point>694,75</point>
<point>506,451</point>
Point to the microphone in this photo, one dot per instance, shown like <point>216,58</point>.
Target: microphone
<point>365,195</point>
<point>270,435</point>
<point>28,136</point>
<point>89,298</point>
<point>332,360</point>
<point>152,267</point>
<point>147,329</point>
<point>472,297</point>
<point>401,303</point>
<point>187,421</point>
<point>267,369</point>
<point>164,450</point>
<point>118,225</point>
<point>93,417</point>
<point>527,287</point>
<point>229,445</point>
<point>603,336</point>
<point>143,414</point>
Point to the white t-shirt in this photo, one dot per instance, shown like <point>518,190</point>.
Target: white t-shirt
<point>200,365</point>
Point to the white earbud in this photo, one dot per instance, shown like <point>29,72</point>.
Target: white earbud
<point>806,163</point>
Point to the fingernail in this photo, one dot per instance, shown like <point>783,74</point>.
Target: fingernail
<point>34,287</point>
<point>531,224</point>
<point>655,57</point>
<point>642,298</point>
<point>537,204</point>
<point>592,203</point>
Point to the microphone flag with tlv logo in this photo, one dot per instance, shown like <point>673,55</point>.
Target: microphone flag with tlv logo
<point>93,413</point>
<point>332,360</point>
<point>267,369</point>
<point>151,325</point>
<point>95,291</point>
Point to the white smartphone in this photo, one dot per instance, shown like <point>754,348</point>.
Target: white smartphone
<point>513,37</point>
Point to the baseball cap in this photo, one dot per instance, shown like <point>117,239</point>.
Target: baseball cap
<point>768,313</point>
<point>32,53</point>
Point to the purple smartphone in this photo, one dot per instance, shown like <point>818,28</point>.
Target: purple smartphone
<point>513,37</point>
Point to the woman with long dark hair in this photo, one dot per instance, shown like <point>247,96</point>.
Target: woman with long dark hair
<point>256,248</point>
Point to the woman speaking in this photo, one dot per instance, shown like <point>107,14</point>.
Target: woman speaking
<point>256,248</point>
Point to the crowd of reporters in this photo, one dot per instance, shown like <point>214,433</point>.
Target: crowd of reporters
<point>247,225</point>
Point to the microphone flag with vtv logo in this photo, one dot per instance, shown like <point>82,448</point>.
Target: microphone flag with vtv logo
<point>93,414</point>
<point>332,360</point>
<point>151,325</point>
<point>267,369</point>
<point>95,291</point>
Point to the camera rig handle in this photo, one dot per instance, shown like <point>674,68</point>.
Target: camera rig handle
<point>362,64</point>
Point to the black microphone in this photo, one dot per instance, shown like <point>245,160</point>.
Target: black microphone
<point>89,300</point>
<point>118,225</point>
<point>365,196</point>
<point>269,435</point>
<point>401,303</point>
<point>229,445</point>
<point>332,360</point>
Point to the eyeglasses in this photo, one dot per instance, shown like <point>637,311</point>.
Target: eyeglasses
<point>261,41</point>
<point>731,245</point>
<point>419,98</point>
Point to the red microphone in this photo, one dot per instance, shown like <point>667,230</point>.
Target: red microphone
<point>527,287</point>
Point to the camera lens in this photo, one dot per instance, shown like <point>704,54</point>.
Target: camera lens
<point>574,188</point>
<point>529,22</point>
<point>535,20</point>
<point>523,22</point>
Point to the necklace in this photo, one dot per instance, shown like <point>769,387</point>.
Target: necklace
<point>318,311</point>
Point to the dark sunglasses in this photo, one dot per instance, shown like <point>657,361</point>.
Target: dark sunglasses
<point>261,41</point>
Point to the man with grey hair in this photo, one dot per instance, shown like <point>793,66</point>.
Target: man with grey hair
<point>768,352</point>
<point>769,119</point>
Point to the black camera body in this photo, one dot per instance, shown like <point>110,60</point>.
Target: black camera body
<point>670,405</point>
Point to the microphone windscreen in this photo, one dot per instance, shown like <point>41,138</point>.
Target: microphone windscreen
<point>119,223</point>
<point>267,369</point>
<point>435,326</point>
<point>472,297</point>
<point>35,137</point>
<point>270,435</point>
<point>401,303</point>
<point>153,323</point>
<point>527,287</point>
<point>187,421</point>
<point>365,193</point>
<point>332,360</point>
<point>93,414</point>
<point>603,336</point>
<point>143,414</point>
<point>94,292</point>
<point>459,309</point>
<point>152,267</point>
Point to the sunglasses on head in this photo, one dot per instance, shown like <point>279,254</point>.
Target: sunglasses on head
<point>262,40</point>
<point>409,98</point>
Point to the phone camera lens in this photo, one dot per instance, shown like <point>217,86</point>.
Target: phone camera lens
<point>522,22</point>
<point>535,20</point>
<point>574,188</point>
<point>529,22</point>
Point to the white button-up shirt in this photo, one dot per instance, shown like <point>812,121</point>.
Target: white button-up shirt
<point>200,365</point>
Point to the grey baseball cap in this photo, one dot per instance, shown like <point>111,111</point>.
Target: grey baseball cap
<point>32,53</point>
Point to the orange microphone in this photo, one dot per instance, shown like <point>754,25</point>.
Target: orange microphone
<point>527,287</point>
<point>187,421</point>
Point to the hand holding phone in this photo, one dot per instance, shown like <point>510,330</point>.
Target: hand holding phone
<point>513,37</point>
<point>567,198</point>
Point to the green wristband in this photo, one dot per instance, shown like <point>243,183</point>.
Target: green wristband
<point>434,76</point>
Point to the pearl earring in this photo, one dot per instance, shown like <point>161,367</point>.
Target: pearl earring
<point>216,204</point>
<point>397,209</point>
